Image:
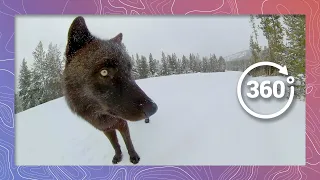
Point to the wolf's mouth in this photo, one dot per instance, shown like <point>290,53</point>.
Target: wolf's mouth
<point>112,113</point>
<point>146,115</point>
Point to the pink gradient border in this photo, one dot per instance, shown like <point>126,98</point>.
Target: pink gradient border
<point>10,8</point>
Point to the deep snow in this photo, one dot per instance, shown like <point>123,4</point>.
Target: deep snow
<point>199,122</point>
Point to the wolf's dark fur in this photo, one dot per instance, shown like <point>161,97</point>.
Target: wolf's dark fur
<point>105,101</point>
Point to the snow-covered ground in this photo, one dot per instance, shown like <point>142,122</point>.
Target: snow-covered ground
<point>199,122</point>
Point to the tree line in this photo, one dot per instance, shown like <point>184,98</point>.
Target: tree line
<point>41,82</point>
<point>170,64</point>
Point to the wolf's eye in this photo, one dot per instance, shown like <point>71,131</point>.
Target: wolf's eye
<point>104,72</point>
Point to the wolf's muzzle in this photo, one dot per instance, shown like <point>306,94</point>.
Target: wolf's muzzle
<point>150,109</point>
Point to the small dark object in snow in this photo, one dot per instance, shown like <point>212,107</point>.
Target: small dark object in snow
<point>147,120</point>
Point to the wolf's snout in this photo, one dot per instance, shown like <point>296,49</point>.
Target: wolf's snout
<point>150,109</point>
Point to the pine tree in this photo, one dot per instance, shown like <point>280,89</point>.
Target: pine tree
<point>213,61</point>
<point>295,33</point>
<point>143,68</point>
<point>38,80</point>
<point>152,66</point>
<point>172,63</point>
<point>164,65</point>
<point>296,49</point>
<point>221,64</point>
<point>193,63</point>
<point>255,48</point>
<point>205,65</point>
<point>17,103</point>
<point>134,69</point>
<point>198,63</point>
<point>185,65</point>
<point>138,65</point>
<point>26,97</point>
<point>169,61</point>
<point>158,68</point>
<point>179,66</point>
<point>273,31</point>
<point>53,73</point>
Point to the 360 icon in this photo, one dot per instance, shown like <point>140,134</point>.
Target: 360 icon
<point>265,89</point>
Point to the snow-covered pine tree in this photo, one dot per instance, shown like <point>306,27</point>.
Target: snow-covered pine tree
<point>273,31</point>
<point>254,44</point>
<point>172,63</point>
<point>295,32</point>
<point>193,63</point>
<point>198,63</point>
<point>185,65</point>
<point>158,68</point>
<point>138,65</point>
<point>134,69</point>
<point>205,64</point>
<point>17,103</point>
<point>53,73</point>
<point>26,97</point>
<point>296,50</point>
<point>152,66</point>
<point>164,65</point>
<point>256,56</point>
<point>179,68</point>
<point>38,80</point>
<point>213,61</point>
<point>143,67</point>
<point>221,64</point>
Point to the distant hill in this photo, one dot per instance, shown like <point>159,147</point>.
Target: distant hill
<point>246,54</point>
<point>238,61</point>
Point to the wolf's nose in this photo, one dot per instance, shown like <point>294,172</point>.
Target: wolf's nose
<point>150,109</point>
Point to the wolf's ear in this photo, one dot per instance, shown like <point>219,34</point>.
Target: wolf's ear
<point>118,38</point>
<point>78,36</point>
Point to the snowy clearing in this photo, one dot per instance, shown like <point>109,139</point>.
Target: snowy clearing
<point>199,122</point>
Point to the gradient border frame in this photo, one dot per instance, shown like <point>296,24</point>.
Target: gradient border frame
<point>10,8</point>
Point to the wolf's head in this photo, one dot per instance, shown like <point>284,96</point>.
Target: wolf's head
<point>98,72</point>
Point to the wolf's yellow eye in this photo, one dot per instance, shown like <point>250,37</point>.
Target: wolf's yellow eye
<point>104,72</point>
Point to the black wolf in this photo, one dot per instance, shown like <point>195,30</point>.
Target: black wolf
<point>99,86</point>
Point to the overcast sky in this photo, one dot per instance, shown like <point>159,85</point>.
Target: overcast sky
<point>221,35</point>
